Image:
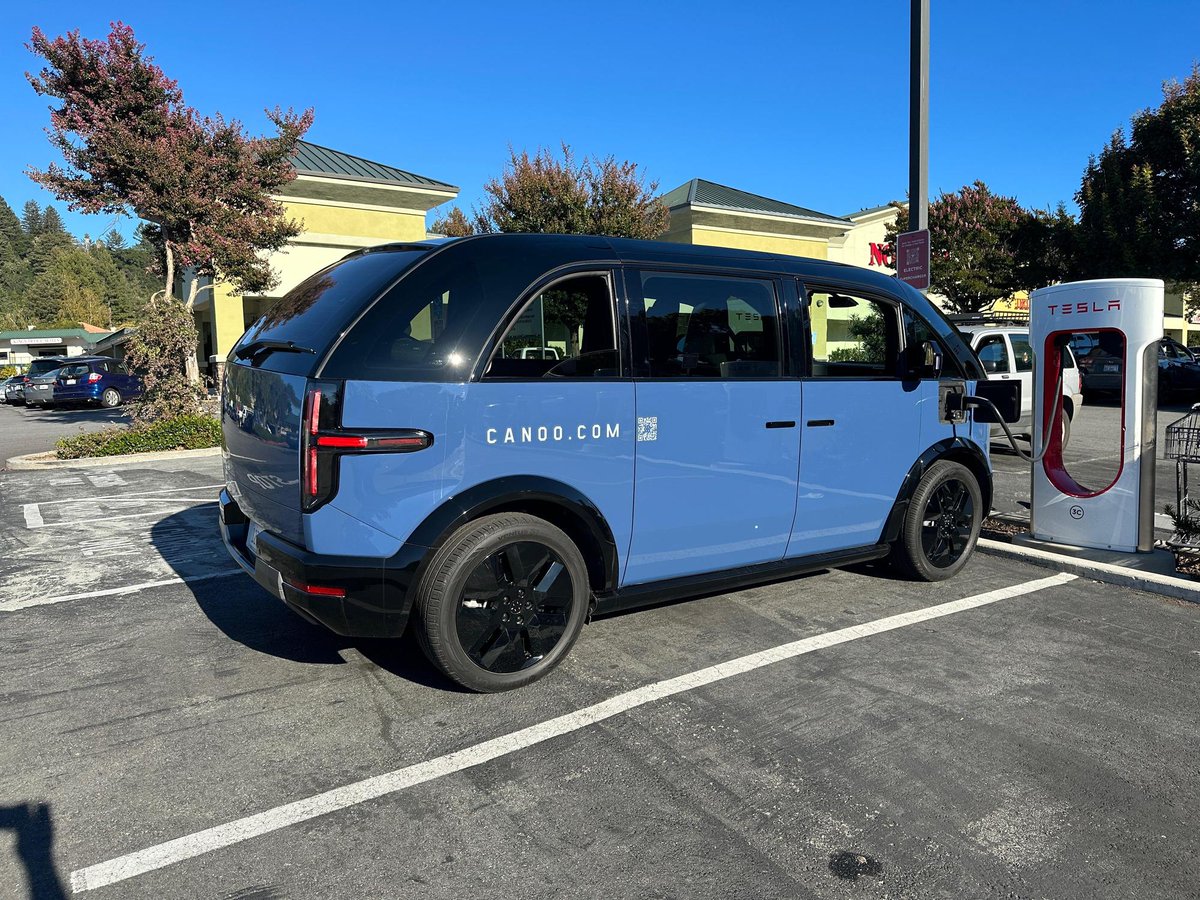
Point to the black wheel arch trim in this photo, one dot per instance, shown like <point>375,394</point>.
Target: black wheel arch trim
<point>955,449</point>
<point>561,504</point>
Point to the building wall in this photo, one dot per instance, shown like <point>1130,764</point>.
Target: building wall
<point>787,245</point>
<point>855,247</point>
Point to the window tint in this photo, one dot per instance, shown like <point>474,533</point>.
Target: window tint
<point>917,332</point>
<point>1022,352</point>
<point>316,311</point>
<point>994,355</point>
<point>75,371</point>
<point>852,337</point>
<point>564,332</point>
<point>707,326</point>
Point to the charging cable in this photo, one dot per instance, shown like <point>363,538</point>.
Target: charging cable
<point>1055,411</point>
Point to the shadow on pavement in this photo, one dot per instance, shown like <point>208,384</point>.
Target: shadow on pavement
<point>246,613</point>
<point>34,829</point>
<point>78,415</point>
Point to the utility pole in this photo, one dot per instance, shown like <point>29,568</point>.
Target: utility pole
<point>912,247</point>
<point>918,117</point>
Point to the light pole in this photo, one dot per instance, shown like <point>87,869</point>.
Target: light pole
<point>918,117</point>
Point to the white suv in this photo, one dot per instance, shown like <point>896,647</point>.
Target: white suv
<point>1006,353</point>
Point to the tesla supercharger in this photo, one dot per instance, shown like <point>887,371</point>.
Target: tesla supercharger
<point>1119,322</point>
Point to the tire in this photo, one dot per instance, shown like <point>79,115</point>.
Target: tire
<point>1066,429</point>
<point>110,398</point>
<point>941,524</point>
<point>502,602</point>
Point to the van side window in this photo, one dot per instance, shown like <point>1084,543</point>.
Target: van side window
<point>917,332</point>
<point>853,337</point>
<point>567,331</point>
<point>710,326</point>
<point>994,355</point>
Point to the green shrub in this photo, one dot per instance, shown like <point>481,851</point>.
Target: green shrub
<point>180,433</point>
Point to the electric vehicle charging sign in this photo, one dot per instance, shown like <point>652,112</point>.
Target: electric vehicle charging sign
<point>912,259</point>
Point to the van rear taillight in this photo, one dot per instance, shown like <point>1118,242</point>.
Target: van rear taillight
<point>324,441</point>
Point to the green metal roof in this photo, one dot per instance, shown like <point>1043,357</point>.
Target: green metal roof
<point>699,192</point>
<point>87,336</point>
<point>313,159</point>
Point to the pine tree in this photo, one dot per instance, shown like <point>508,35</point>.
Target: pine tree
<point>52,222</point>
<point>31,219</point>
<point>10,228</point>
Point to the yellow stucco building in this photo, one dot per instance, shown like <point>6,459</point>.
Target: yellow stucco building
<point>344,203</point>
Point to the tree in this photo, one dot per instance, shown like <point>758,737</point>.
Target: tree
<point>1139,200</point>
<point>11,230</point>
<point>453,224</point>
<point>31,219</point>
<point>52,222</point>
<point>542,194</point>
<point>546,195</point>
<point>131,146</point>
<point>981,247</point>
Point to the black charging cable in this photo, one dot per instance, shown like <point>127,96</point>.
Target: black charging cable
<point>1028,457</point>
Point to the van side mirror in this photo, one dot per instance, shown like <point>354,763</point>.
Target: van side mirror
<point>1005,396</point>
<point>924,360</point>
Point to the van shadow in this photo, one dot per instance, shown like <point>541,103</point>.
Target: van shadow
<point>190,542</point>
<point>34,829</point>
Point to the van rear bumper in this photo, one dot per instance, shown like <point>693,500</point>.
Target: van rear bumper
<point>377,597</point>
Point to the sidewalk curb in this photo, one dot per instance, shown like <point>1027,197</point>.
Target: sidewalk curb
<point>1179,588</point>
<point>35,461</point>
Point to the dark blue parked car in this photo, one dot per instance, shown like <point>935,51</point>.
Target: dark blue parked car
<point>494,437</point>
<point>95,379</point>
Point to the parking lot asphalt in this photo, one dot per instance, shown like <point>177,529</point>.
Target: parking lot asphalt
<point>1037,742</point>
<point>28,430</point>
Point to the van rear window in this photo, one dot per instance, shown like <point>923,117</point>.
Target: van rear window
<point>317,310</point>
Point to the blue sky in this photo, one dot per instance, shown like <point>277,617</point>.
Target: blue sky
<point>799,101</point>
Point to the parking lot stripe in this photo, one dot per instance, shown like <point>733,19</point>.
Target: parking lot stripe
<point>33,515</point>
<point>189,502</point>
<point>161,855</point>
<point>14,605</point>
<point>134,495</point>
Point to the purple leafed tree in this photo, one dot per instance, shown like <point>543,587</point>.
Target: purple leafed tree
<point>131,145</point>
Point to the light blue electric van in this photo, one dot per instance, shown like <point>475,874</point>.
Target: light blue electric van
<point>490,439</point>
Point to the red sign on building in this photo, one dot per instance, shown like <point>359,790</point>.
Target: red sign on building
<point>912,259</point>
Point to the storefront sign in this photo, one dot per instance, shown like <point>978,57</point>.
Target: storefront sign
<point>30,341</point>
<point>881,255</point>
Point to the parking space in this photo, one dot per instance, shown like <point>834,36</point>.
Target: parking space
<point>26,430</point>
<point>172,730</point>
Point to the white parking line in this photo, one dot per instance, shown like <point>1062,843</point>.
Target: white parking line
<point>14,605</point>
<point>132,495</point>
<point>33,515</point>
<point>91,521</point>
<point>192,845</point>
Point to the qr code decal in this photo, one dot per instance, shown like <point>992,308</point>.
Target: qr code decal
<point>647,428</point>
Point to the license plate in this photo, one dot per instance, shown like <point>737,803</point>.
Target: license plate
<point>1109,368</point>
<point>252,538</point>
<point>70,381</point>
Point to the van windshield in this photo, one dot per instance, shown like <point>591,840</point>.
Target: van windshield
<point>317,310</point>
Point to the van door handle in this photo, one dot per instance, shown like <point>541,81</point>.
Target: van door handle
<point>781,424</point>
<point>819,423</point>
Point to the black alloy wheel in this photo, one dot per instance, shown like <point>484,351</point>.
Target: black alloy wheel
<point>502,601</point>
<point>946,523</point>
<point>514,607</point>
<point>941,524</point>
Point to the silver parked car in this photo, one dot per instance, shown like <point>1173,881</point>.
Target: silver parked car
<point>39,391</point>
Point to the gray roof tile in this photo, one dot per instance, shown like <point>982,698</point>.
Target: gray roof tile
<point>708,193</point>
<point>313,159</point>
